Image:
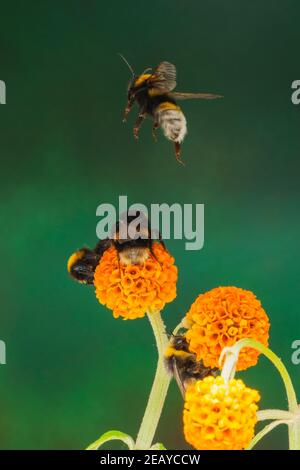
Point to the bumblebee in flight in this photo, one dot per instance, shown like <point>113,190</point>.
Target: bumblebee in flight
<point>183,364</point>
<point>131,250</point>
<point>155,97</point>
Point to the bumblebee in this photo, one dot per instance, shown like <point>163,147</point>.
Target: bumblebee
<point>182,364</point>
<point>131,250</point>
<point>155,97</point>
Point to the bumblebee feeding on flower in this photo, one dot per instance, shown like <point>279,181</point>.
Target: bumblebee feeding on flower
<point>132,272</point>
<point>155,97</point>
<point>183,364</point>
<point>131,249</point>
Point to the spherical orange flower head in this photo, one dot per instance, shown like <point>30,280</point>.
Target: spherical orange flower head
<point>218,416</point>
<point>221,317</point>
<point>132,290</point>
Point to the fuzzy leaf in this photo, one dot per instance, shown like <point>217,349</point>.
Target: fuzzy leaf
<point>112,436</point>
<point>158,446</point>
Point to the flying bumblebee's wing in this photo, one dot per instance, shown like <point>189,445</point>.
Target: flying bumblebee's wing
<point>163,78</point>
<point>191,96</point>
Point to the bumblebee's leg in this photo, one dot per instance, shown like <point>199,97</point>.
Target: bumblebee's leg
<point>177,152</point>
<point>119,266</point>
<point>178,378</point>
<point>82,265</point>
<point>161,241</point>
<point>154,127</point>
<point>158,237</point>
<point>138,123</point>
<point>127,109</point>
<point>152,252</point>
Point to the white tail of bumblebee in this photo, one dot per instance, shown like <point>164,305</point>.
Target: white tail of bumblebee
<point>173,123</point>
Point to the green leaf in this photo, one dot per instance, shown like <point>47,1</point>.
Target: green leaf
<point>158,446</point>
<point>112,436</point>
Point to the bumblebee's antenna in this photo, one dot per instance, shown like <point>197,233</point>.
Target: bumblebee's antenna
<point>127,63</point>
<point>147,70</point>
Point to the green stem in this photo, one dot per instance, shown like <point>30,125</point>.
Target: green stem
<point>263,415</point>
<point>291,395</point>
<point>159,388</point>
<point>294,435</point>
<point>264,432</point>
<point>294,427</point>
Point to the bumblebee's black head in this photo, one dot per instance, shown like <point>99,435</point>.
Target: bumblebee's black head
<point>179,343</point>
<point>137,85</point>
<point>131,85</point>
<point>132,228</point>
<point>131,89</point>
<point>133,239</point>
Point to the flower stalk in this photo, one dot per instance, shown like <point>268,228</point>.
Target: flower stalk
<point>292,417</point>
<point>159,388</point>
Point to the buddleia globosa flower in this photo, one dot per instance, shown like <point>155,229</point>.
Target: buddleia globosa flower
<point>132,290</point>
<point>222,316</point>
<point>219,416</point>
<point>132,273</point>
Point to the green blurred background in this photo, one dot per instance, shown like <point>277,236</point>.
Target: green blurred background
<point>72,370</point>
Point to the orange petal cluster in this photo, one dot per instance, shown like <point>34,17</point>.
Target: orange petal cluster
<point>219,416</point>
<point>131,291</point>
<point>221,317</point>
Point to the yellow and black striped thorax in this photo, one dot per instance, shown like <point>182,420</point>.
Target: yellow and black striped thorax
<point>141,81</point>
<point>178,348</point>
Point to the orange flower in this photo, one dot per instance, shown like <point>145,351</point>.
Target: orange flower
<point>131,291</point>
<point>221,317</point>
<point>218,416</point>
